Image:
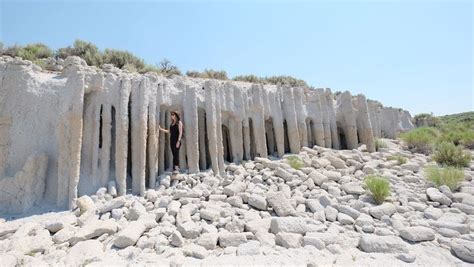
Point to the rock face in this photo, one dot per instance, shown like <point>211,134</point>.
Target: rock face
<point>95,126</point>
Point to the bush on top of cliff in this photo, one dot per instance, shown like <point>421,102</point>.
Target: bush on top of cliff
<point>30,52</point>
<point>85,50</point>
<point>282,79</point>
<point>120,59</point>
<point>208,74</point>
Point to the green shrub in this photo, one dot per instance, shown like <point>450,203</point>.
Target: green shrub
<point>35,51</point>
<point>426,119</point>
<point>295,162</point>
<point>378,186</point>
<point>85,50</point>
<point>248,78</point>
<point>421,139</point>
<point>449,176</point>
<point>379,144</point>
<point>11,51</point>
<point>208,74</point>
<point>448,154</point>
<point>458,134</point>
<point>120,59</point>
<point>400,159</point>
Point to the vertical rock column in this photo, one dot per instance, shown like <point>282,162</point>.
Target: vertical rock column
<point>153,133</point>
<point>212,126</point>
<point>277,119</point>
<point>190,115</point>
<point>363,124</point>
<point>246,127</point>
<point>235,125</point>
<point>106,142</point>
<point>139,131</point>
<point>332,119</point>
<point>219,142</point>
<point>374,111</point>
<point>349,120</point>
<point>5,124</point>
<point>121,144</point>
<point>291,120</point>
<point>70,141</point>
<point>325,117</point>
<point>315,113</point>
<point>202,139</point>
<point>258,121</point>
<point>300,110</point>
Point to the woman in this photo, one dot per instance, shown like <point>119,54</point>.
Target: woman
<point>176,132</point>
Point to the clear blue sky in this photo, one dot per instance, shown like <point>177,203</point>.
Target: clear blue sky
<point>417,55</point>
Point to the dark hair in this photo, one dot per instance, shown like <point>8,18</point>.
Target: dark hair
<point>176,114</point>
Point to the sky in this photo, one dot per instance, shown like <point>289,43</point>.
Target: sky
<point>416,55</point>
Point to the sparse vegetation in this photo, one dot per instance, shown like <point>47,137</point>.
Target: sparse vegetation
<point>208,74</point>
<point>399,158</point>
<point>85,50</point>
<point>168,69</point>
<point>282,80</point>
<point>378,186</point>
<point>449,176</point>
<point>295,162</point>
<point>379,144</point>
<point>448,154</point>
<point>426,119</point>
<point>421,139</point>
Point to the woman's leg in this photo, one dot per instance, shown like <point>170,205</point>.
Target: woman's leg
<point>175,152</point>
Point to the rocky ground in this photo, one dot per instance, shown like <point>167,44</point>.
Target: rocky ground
<point>264,212</point>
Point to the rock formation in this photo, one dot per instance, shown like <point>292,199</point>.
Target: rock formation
<point>98,128</point>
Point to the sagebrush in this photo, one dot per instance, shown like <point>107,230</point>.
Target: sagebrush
<point>378,186</point>
<point>449,176</point>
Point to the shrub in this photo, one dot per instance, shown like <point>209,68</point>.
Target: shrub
<point>458,134</point>
<point>168,69</point>
<point>286,80</point>
<point>120,59</point>
<point>426,119</point>
<point>248,78</point>
<point>400,159</point>
<point>35,51</point>
<point>149,68</point>
<point>378,186</point>
<point>208,74</point>
<point>85,50</point>
<point>448,154</point>
<point>449,176</point>
<point>295,162</point>
<point>379,144</point>
<point>420,139</point>
<point>11,51</point>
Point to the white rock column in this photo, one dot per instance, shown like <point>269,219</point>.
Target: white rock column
<point>212,125</point>
<point>106,144</point>
<point>363,123</point>
<point>220,146</point>
<point>258,122</point>
<point>315,113</point>
<point>121,144</point>
<point>70,142</point>
<point>277,120</point>
<point>325,117</point>
<point>300,109</point>
<point>291,120</point>
<point>190,115</point>
<point>332,119</point>
<point>139,132</point>
<point>349,120</point>
<point>202,139</point>
<point>152,142</point>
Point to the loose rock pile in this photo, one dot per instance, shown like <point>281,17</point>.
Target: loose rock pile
<point>262,212</point>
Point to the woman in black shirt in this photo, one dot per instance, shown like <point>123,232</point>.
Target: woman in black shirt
<point>176,132</point>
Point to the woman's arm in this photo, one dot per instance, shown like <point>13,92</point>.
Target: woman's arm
<point>163,130</point>
<point>180,126</point>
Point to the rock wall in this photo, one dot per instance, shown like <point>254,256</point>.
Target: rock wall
<point>99,127</point>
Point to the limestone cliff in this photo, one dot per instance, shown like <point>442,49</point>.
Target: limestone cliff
<point>94,126</point>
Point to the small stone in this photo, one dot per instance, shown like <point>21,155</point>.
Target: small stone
<point>353,188</point>
<point>405,257</point>
<point>382,244</point>
<point>280,204</point>
<point>313,241</point>
<point>85,252</point>
<point>331,213</point>
<point>208,240</point>
<point>249,249</point>
<point>232,239</point>
<point>176,239</point>
<point>288,225</point>
<point>381,210</point>
<point>435,195</point>
<point>289,240</point>
<point>344,219</point>
<point>417,234</point>
<point>463,249</point>
<point>258,201</point>
<point>85,203</point>
<point>210,214</point>
<point>190,230</point>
